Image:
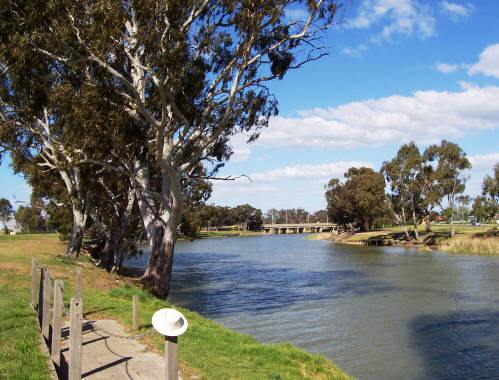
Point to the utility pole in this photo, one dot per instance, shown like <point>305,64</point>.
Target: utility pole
<point>286,216</point>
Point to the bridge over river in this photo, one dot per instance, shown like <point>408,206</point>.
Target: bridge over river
<point>299,228</point>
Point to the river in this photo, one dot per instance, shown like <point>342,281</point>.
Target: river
<point>379,313</point>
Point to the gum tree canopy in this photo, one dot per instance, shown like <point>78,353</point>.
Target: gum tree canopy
<point>190,74</point>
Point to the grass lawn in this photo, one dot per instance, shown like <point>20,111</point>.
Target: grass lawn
<point>474,240</point>
<point>207,350</point>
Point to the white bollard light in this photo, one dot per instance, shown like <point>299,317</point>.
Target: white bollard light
<point>170,323</point>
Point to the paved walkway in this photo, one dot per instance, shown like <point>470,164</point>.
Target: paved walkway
<point>106,356</point>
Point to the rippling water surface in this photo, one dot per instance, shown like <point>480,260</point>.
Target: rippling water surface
<point>379,313</point>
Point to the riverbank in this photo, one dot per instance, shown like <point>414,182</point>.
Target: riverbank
<point>207,350</point>
<point>473,240</point>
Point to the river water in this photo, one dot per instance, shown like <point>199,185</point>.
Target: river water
<point>379,313</point>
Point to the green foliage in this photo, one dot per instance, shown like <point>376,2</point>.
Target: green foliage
<point>6,212</point>
<point>445,164</point>
<point>359,200</point>
<point>291,215</point>
<point>244,216</point>
<point>30,219</point>
<point>403,173</point>
<point>60,219</point>
<point>490,185</point>
<point>485,209</point>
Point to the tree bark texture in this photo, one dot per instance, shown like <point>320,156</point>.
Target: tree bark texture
<point>157,276</point>
<point>428,224</point>
<point>76,240</point>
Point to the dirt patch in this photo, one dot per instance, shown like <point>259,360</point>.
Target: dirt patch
<point>19,268</point>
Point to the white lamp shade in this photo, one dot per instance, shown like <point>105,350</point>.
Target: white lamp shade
<point>169,322</point>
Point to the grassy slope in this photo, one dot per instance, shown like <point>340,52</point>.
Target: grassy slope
<point>207,350</point>
<point>476,240</point>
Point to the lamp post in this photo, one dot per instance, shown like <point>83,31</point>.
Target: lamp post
<point>171,324</point>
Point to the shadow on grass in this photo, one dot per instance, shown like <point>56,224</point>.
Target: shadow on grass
<point>493,232</point>
<point>458,345</point>
<point>434,238</point>
<point>94,311</point>
<point>392,238</point>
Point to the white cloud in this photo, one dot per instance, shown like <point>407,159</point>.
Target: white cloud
<point>290,186</point>
<point>488,63</point>
<point>241,186</point>
<point>446,68</point>
<point>484,161</point>
<point>467,85</point>
<point>457,10</point>
<point>399,17</point>
<point>356,51</point>
<point>425,117</point>
<point>240,147</point>
<point>482,164</point>
<point>310,171</point>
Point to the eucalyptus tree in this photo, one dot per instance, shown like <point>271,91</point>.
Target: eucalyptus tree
<point>359,200</point>
<point>339,203</point>
<point>406,186</point>
<point>195,192</point>
<point>191,74</point>
<point>443,174</point>
<point>35,133</point>
<point>115,223</point>
<point>485,207</point>
<point>490,185</point>
<point>6,212</point>
<point>51,117</point>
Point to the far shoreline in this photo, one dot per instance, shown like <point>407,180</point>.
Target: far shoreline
<point>468,241</point>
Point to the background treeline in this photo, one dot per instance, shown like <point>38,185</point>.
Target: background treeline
<point>241,217</point>
<point>411,188</point>
<point>295,215</point>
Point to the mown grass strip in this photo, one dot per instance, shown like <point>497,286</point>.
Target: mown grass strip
<point>207,350</point>
<point>20,354</point>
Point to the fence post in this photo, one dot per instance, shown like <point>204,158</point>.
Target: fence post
<point>40,296</point>
<point>33,284</point>
<point>75,340</point>
<point>57,323</point>
<point>135,313</point>
<point>47,292</point>
<point>171,357</point>
<point>78,283</point>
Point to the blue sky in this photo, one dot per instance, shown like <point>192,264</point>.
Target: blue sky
<point>398,70</point>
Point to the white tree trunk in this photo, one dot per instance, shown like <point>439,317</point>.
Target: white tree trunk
<point>79,222</point>
<point>414,219</point>
<point>161,219</point>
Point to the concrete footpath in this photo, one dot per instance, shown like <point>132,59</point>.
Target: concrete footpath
<point>108,354</point>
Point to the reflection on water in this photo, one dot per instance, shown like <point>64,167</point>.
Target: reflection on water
<point>380,313</point>
<point>459,345</point>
